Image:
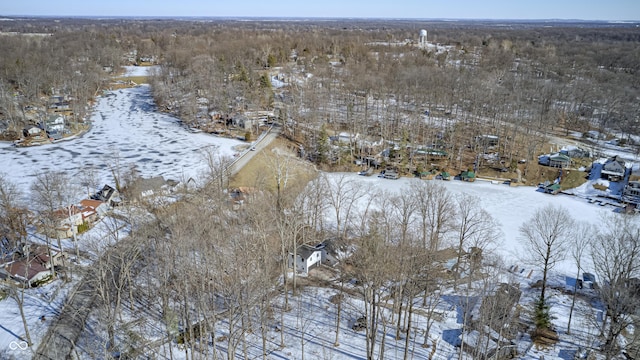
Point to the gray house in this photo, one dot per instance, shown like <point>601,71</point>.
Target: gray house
<point>631,193</point>
<point>614,169</point>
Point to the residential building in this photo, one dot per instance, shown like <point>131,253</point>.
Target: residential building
<point>631,193</point>
<point>614,169</point>
<point>559,161</point>
<point>306,258</point>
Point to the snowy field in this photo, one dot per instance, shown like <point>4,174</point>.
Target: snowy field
<point>125,124</point>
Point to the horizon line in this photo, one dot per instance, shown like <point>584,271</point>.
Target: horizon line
<point>232,17</point>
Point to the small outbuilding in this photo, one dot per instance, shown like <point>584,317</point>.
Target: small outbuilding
<point>469,176</point>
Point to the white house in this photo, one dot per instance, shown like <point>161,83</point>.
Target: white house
<point>32,131</point>
<point>68,220</point>
<point>347,138</point>
<point>306,258</point>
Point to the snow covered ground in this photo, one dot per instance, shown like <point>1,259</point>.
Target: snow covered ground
<point>41,306</point>
<point>125,124</point>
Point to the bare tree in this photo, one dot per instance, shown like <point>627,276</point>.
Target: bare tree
<point>476,230</point>
<point>582,237</point>
<point>344,194</point>
<point>52,193</point>
<point>546,237</point>
<point>434,205</point>
<point>14,217</point>
<point>616,259</point>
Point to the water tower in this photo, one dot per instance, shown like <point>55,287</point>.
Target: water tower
<point>422,41</point>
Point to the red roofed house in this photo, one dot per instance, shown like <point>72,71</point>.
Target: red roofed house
<point>93,210</point>
<point>27,272</point>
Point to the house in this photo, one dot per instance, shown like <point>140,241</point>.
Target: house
<point>575,152</point>
<point>469,176</point>
<point>631,193</point>
<point>31,131</point>
<point>614,169</point>
<point>70,215</point>
<point>142,188</point>
<point>107,195</point>
<point>93,210</point>
<point>306,258</point>
<point>559,161</point>
<point>347,138</point>
<point>487,140</point>
<point>29,266</point>
<point>391,174</point>
<point>27,272</point>
<point>55,122</point>
<point>41,254</point>
<point>67,221</point>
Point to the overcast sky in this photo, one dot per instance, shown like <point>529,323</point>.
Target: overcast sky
<point>418,9</point>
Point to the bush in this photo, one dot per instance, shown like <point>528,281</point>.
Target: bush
<point>83,227</point>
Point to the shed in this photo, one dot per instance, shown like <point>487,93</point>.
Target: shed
<point>468,176</point>
<point>552,189</point>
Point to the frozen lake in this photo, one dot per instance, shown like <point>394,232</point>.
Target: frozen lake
<point>126,124</point>
<point>510,206</point>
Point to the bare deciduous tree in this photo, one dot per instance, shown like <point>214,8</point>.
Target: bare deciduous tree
<point>616,259</point>
<point>546,237</point>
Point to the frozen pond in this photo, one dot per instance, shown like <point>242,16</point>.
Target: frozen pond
<point>126,125</point>
<point>510,206</point>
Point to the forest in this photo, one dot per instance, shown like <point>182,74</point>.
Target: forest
<point>199,276</point>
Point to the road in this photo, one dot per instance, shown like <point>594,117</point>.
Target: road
<point>259,145</point>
